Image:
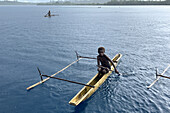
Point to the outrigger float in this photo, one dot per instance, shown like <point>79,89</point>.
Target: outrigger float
<point>158,76</point>
<point>44,80</point>
<point>88,88</point>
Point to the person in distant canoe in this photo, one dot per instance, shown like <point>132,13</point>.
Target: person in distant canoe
<point>49,13</point>
<point>105,61</point>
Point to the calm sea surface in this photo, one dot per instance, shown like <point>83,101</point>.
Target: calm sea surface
<point>28,40</point>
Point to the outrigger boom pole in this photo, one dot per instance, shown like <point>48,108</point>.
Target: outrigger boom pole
<point>40,74</point>
<point>44,80</point>
<point>61,79</point>
<point>68,81</point>
<point>163,76</point>
<point>78,56</point>
<point>158,76</point>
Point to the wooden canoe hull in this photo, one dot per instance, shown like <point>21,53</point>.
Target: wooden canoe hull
<point>86,91</point>
<point>50,16</point>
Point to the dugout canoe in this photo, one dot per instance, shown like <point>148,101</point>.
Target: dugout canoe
<point>86,91</point>
<point>50,15</point>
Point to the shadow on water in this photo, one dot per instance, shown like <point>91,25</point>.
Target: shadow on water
<point>81,107</point>
<point>113,77</point>
<point>127,74</point>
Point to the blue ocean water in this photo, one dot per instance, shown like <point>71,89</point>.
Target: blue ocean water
<point>28,40</point>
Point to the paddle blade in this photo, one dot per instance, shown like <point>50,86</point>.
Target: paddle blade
<point>120,74</point>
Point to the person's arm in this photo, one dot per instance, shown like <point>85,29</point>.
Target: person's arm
<point>98,61</point>
<point>112,64</point>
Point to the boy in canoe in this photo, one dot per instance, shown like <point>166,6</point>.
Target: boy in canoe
<point>105,62</point>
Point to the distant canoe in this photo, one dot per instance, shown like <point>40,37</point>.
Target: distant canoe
<point>51,15</point>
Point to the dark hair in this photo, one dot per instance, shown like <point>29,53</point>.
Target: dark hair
<point>101,49</point>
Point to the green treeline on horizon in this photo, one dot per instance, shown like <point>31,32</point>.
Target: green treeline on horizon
<point>113,2</point>
<point>138,2</point>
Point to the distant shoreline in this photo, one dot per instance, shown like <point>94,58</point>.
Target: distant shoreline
<point>112,3</point>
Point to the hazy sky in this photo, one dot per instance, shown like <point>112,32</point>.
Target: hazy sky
<point>30,0</point>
